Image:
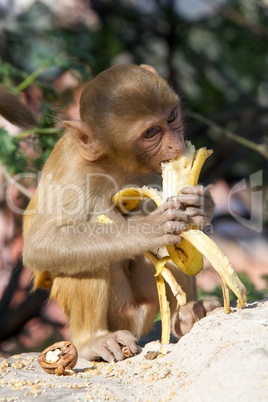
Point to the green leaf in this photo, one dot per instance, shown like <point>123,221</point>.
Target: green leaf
<point>7,144</point>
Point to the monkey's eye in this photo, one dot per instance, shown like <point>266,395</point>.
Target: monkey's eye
<point>172,116</point>
<point>151,132</point>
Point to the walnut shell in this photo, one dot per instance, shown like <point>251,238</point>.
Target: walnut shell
<point>59,358</point>
<point>126,352</point>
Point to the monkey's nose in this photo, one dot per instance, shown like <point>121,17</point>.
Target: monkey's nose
<point>177,147</point>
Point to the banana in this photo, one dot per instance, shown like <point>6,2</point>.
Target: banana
<point>162,274</point>
<point>221,264</point>
<point>187,255</point>
<point>129,198</point>
<point>185,171</point>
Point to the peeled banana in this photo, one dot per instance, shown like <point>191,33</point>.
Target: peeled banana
<point>185,171</point>
<point>187,255</point>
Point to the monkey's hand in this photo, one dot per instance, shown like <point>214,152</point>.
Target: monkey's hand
<point>198,205</point>
<point>109,347</point>
<point>164,225</point>
<point>185,316</point>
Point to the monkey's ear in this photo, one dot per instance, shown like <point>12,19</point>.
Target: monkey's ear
<point>88,146</point>
<point>149,68</point>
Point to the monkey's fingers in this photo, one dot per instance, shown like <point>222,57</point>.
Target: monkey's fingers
<point>125,338</point>
<point>190,200</point>
<point>108,356</point>
<point>198,190</point>
<point>193,212</point>
<point>114,349</point>
<point>199,218</point>
<point>109,347</point>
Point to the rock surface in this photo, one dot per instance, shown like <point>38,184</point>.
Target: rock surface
<point>223,358</point>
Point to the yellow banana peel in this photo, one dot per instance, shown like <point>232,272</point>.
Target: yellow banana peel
<point>188,255</point>
<point>162,274</point>
<point>129,198</point>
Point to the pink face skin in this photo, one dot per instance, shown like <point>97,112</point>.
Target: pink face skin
<point>161,141</point>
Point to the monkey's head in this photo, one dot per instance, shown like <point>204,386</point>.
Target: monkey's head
<point>131,116</point>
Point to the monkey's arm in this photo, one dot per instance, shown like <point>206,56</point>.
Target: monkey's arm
<point>84,246</point>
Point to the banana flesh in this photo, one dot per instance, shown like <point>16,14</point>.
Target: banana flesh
<point>187,255</point>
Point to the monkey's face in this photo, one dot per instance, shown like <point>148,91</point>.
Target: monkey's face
<point>159,139</point>
<point>133,118</point>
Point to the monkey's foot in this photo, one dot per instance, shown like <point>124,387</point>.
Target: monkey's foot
<point>111,347</point>
<point>185,316</point>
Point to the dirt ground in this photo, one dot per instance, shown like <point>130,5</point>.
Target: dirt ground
<point>223,358</point>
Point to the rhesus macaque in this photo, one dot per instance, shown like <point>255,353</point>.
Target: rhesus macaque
<point>130,122</point>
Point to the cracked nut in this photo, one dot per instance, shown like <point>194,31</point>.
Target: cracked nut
<point>59,358</point>
<point>126,352</point>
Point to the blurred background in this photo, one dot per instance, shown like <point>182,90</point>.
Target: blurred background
<point>213,52</point>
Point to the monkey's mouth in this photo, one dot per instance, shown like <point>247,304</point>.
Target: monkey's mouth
<point>164,161</point>
<point>172,157</point>
<point>158,167</point>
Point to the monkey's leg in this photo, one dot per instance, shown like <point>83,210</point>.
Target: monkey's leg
<point>184,317</point>
<point>85,301</point>
<point>134,300</point>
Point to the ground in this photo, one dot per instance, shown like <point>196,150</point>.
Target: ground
<point>223,358</point>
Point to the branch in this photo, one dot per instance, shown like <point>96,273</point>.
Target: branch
<point>32,77</point>
<point>261,148</point>
<point>239,19</point>
<point>38,130</point>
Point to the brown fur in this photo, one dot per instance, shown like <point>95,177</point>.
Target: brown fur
<point>98,274</point>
